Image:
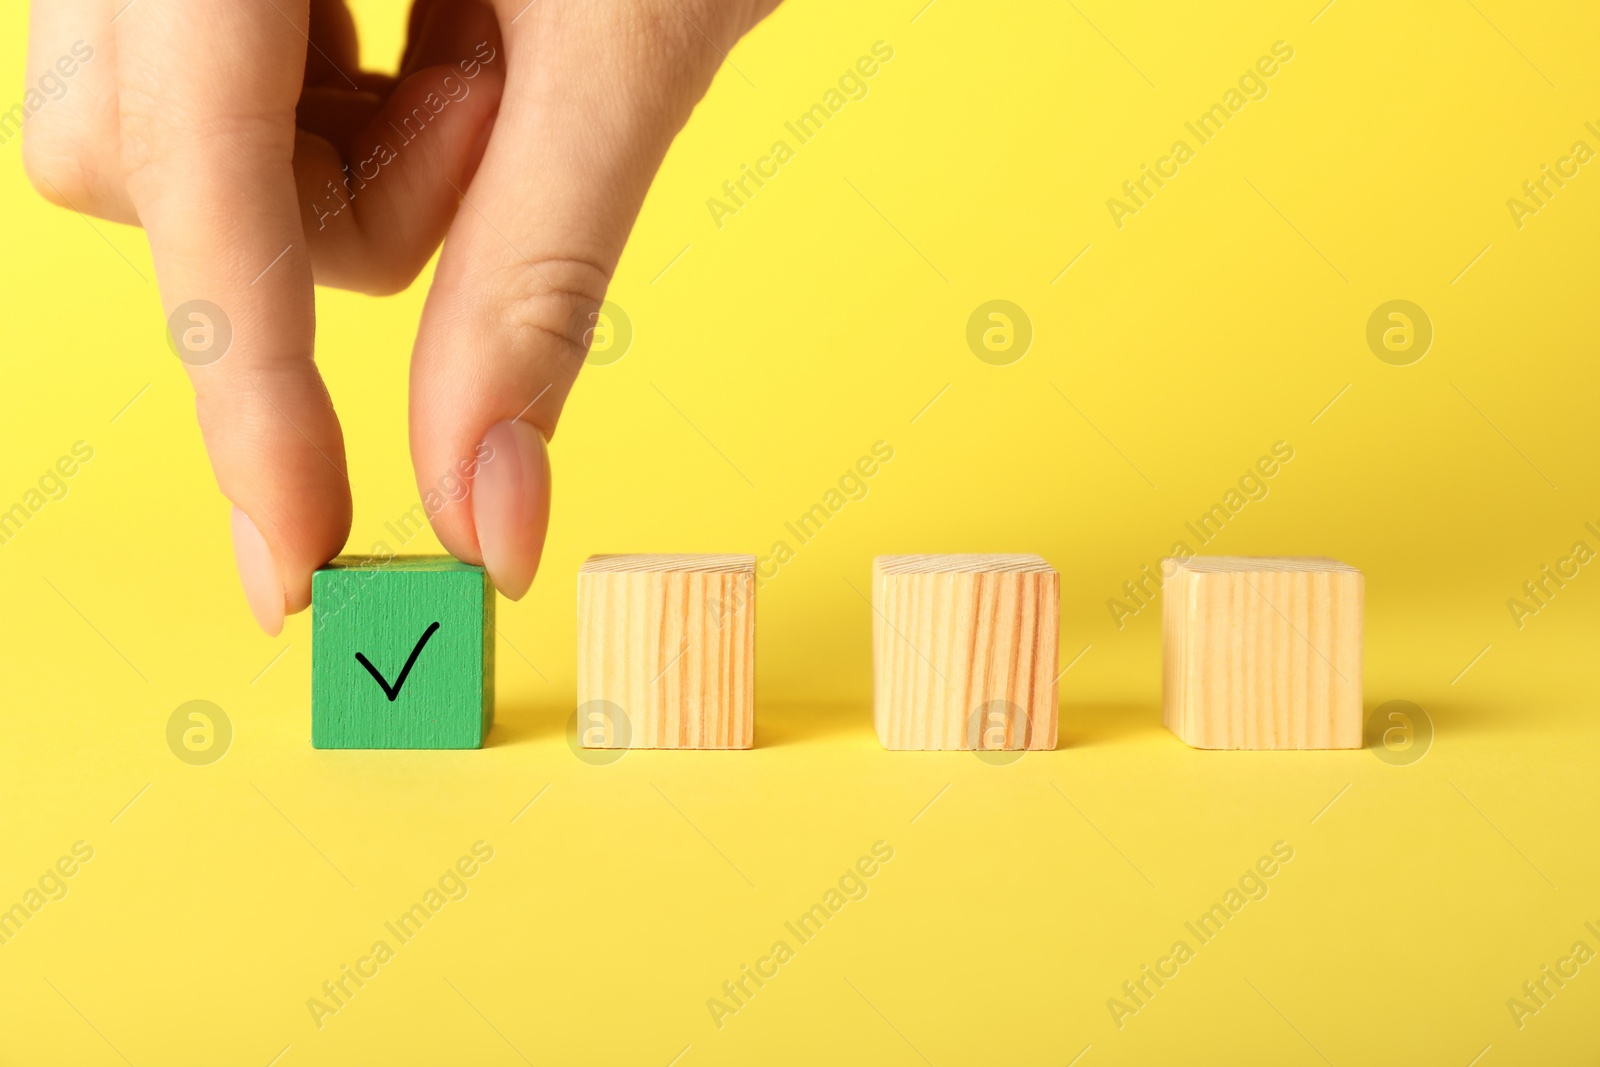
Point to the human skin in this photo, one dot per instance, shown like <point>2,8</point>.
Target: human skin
<point>218,126</point>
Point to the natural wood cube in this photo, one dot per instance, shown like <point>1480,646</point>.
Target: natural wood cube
<point>1262,653</point>
<point>402,653</point>
<point>964,651</point>
<point>667,643</point>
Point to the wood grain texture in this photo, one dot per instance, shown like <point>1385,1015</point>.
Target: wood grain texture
<point>1263,653</point>
<point>964,651</point>
<point>669,641</point>
<point>382,612</point>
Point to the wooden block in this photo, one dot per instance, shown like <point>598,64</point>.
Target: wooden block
<point>1262,653</point>
<point>666,651</point>
<point>402,654</point>
<point>964,652</point>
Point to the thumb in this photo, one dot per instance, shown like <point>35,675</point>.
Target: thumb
<point>594,95</point>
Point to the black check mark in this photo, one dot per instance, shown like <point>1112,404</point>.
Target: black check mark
<point>392,691</point>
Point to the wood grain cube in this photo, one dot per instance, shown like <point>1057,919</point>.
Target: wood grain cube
<point>402,654</point>
<point>1262,653</point>
<point>964,651</point>
<point>668,643</point>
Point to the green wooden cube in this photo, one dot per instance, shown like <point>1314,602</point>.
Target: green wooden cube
<point>402,653</point>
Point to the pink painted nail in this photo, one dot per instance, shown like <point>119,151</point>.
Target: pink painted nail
<point>511,504</point>
<point>258,572</point>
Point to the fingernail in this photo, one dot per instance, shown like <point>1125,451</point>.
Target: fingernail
<point>258,572</point>
<point>511,504</point>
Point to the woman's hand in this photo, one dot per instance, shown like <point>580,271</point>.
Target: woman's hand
<point>259,158</point>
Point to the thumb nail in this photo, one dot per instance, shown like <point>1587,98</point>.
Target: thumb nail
<point>258,572</point>
<point>511,504</point>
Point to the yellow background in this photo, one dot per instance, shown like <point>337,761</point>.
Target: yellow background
<point>821,318</point>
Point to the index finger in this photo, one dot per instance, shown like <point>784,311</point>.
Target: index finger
<point>206,95</point>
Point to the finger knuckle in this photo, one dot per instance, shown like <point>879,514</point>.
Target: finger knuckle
<point>551,301</point>
<point>162,142</point>
<point>63,169</point>
<point>138,130</point>
<point>655,33</point>
<point>664,32</point>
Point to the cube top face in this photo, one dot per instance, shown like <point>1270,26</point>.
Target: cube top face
<point>962,564</point>
<point>400,565</point>
<point>1263,653</point>
<point>669,564</point>
<point>1262,564</point>
<point>666,651</point>
<point>401,654</point>
<point>964,651</point>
